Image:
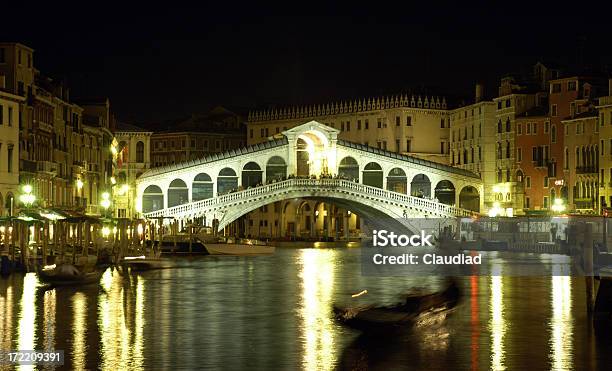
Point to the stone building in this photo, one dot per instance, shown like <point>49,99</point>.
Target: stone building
<point>9,147</point>
<point>604,107</point>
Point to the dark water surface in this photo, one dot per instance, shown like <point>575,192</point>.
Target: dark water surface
<point>275,313</point>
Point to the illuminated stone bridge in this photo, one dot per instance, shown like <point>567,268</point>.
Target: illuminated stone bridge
<point>309,162</point>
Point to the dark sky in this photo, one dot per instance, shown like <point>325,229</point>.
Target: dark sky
<point>164,63</point>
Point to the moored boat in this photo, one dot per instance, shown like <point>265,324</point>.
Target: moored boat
<point>241,247</point>
<point>144,263</point>
<point>68,275</point>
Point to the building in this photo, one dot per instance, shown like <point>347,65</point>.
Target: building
<point>198,136</point>
<point>473,142</point>
<point>581,167</point>
<point>134,149</point>
<point>63,146</point>
<point>605,138</point>
<point>391,123</point>
<point>9,147</point>
<point>533,158</point>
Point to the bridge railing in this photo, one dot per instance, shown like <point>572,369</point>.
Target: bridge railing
<point>292,184</point>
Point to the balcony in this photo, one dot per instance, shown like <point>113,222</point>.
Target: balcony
<point>586,170</point>
<point>28,166</point>
<point>47,167</point>
<point>604,101</point>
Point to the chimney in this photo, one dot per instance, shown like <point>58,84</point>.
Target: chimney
<point>479,89</point>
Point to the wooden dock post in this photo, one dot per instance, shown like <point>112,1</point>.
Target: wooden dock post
<point>588,265</point>
<point>45,242</point>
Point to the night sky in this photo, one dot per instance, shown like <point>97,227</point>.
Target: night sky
<point>157,64</point>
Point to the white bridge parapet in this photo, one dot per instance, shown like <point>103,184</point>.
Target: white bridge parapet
<point>226,208</point>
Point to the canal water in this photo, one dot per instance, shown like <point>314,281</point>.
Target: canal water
<point>274,312</point>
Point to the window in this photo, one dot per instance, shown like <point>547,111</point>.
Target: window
<point>571,86</point>
<point>528,128</point>
<point>534,153</point>
<point>507,149</point>
<point>379,123</point>
<point>528,181</point>
<point>472,132</point>
<point>367,124</point>
<point>519,154</point>
<point>546,127</point>
<point>508,125</point>
<point>553,134</point>
<point>499,104</point>
<point>397,121</point>
<point>10,159</point>
<point>408,120</point>
<point>546,202</point>
<point>342,126</point>
<point>499,126</point>
<point>348,126</point>
<point>527,206</point>
<point>20,88</point>
<point>534,129</point>
<point>566,158</point>
<point>262,132</point>
<point>277,129</point>
<point>442,123</point>
<point>519,129</point>
<point>408,145</point>
<point>267,133</point>
<point>358,124</point>
<point>441,147</point>
<point>553,110</point>
<point>140,152</point>
<point>556,88</point>
<point>479,153</point>
<point>545,182</point>
<point>508,103</point>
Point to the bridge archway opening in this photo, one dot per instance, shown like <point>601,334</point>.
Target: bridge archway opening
<point>202,187</point>
<point>445,192</point>
<point>276,169</point>
<point>373,175</point>
<point>227,181</point>
<point>469,199</point>
<point>252,175</point>
<point>397,181</point>
<point>178,193</point>
<point>152,199</point>
<point>420,186</point>
<point>349,169</point>
<point>304,150</point>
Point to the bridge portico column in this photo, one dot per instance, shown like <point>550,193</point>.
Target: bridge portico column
<point>346,225</point>
<point>291,156</point>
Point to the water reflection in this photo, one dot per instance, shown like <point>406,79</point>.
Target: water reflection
<point>79,330</point>
<point>121,335</point>
<point>6,318</point>
<point>317,276</point>
<point>49,303</point>
<point>561,326</point>
<point>497,323</point>
<point>26,337</point>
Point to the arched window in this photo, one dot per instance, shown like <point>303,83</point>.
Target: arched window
<point>507,149</point>
<point>566,158</point>
<point>508,124</point>
<point>140,152</point>
<point>499,150</point>
<point>499,126</point>
<point>553,134</point>
<point>519,176</point>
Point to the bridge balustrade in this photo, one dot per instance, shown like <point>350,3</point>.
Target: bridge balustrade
<point>297,184</point>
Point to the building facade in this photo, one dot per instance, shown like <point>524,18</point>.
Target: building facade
<point>604,107</point>
<point>9,151</point>
<point>133,159</point>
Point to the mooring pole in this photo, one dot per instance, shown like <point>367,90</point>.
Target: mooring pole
<point>588,265</point>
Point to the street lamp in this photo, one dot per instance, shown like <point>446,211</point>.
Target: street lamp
<point>27,198</point>
<point>558,205</point>
<point>106,202</point>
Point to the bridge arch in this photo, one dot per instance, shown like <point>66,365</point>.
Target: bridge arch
<point>469,198</point>
<point>373,175</point>
<point>397,181</point>
<point>152,199</point>
<point>252,175</point>
<point>276,169</point>
<point>227,181</point>
<point>420,186</point>
<point>349,168</point>
<point>202,187</point>
<point>445,192</point>
<point>178,193</point>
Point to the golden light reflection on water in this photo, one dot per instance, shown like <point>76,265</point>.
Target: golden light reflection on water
<point>49,303</point>
<point>561,325</point>
<point>317,277</point>
<point>26,339</point>
<point>497,323</point>
<point>120,347</point>
<point>79,330</point>
<point>6,319</point>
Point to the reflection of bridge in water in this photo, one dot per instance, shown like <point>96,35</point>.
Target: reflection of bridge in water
<point>309,162</point>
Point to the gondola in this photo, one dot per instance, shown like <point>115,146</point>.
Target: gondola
<point>68,275</point>
<point>414,310</point>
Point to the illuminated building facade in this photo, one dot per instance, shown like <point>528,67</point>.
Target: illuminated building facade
<point>605,139</point>
<point>9,146</point>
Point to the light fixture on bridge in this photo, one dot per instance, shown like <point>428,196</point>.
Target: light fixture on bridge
<point>79,184</point>
<point>105,203</point>
<point>558,205</point>
<point>27,198</point>
<point>496,210</point>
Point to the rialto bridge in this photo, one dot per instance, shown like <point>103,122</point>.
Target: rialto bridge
<point>311,163</point>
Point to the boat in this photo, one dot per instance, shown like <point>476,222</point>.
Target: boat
<point>144,262</point>
<point>416,309</point>
<point>68,275</point>
<point>240,247</point>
